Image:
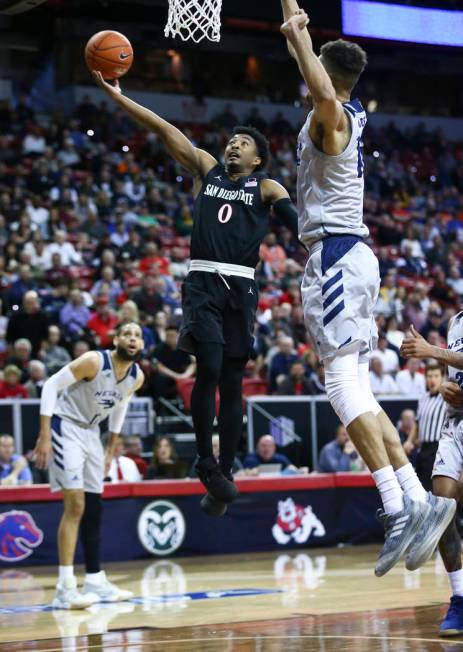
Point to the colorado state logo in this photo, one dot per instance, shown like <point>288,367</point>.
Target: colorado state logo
<point>296,523</point>
<point>19,535</point>
<point>161,528</point>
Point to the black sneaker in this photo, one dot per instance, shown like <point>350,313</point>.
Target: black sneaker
<point>214,480</point>
<point>211,506</point>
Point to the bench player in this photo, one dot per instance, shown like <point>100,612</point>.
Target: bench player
<point>74,402</point>
<point>230,220</point>
<point>448,465</point>
<point>341,283</point>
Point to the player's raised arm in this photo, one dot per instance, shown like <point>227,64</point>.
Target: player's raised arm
<point>275,195</point>
<point>415,346</point>
<point>327,108</point>
<point>193,159</point>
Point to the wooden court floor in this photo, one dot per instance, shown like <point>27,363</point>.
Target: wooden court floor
<point>325,600</point>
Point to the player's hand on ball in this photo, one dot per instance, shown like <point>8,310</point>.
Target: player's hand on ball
<point>113,90</point>
<point>414,345</point>
<point>42,452</point>
<point>452,394</point>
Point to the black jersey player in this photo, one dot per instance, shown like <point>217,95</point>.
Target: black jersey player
<point>231,218</point>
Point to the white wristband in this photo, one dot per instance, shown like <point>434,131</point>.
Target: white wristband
<point>59,381</point>
<point>117,417</point>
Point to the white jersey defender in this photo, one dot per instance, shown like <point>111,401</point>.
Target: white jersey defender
<point>449,456</point>
<point>341,282</point>
<point>77,452</point>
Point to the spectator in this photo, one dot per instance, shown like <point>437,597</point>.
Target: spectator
<point>133,448</point>
<point>107,285</point>
<point>339,455</point>
<point>80,347</point>
<point>179,264</point>
<point>387,355</point>
<point>13,467</point>
<point>148,299</point>
<point>266,454</point>
<point>37,378</point>
<point>409,381</point>
<point>407,433</point>
<point>165,462</point>
<point>273,255</point>
<point>54,356</point>
<point>102,323</point>
<point>60,245</point>
<point>57,273</point>
<point>318,379</point>
<point>153,260</point>
<point>170,364</point>
<point>23,284</point>
<point>295,383</point>
<point>74,315</point>
<point>380,382</point>
<point>122,469</point>
<point>10,387</point>
<point>21,357</point>
<point>281,361</point>
<point>29,322</point>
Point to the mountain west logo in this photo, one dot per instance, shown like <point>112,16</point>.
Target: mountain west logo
<point>19,535</point>
<point>296,523</point>
<point>161,528</point>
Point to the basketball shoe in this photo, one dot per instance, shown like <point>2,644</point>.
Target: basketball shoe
<point>442,510</point>
<point>106,591</point>
<point>217,485</point>
<point>400,530</point>
<point>68,597</point>
<point>452,625</point>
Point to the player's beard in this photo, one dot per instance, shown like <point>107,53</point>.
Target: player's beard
<point>123,354</point>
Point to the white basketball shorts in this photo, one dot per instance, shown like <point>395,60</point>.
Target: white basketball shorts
<point>449,456</point>
<point>339,292</point>
<point>77,460</point>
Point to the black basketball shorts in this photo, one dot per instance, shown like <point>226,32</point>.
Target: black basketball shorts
<point>214,313</point>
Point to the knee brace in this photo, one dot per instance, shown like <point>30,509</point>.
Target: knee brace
<point>348,398</point>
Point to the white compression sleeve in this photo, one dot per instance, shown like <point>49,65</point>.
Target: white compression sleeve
<point>117,416</point>
<point>55,384</point>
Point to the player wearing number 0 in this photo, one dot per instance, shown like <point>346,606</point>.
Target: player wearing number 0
<point>231,218</point>
<point>448,465</point>
<point>341,283</point>
<point>75,400</point>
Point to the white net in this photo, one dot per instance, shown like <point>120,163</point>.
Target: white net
<point>194,19</point>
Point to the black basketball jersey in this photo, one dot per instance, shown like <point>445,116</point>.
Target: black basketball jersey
<point>229,219</point>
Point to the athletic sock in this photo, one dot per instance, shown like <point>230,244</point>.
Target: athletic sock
<point>389,488</point>
<point>94,578</point>
<point>456,582</point>
<point>410,483</point>
<point>64,572</point>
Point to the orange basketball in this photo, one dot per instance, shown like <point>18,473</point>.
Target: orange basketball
<point>110,53</point>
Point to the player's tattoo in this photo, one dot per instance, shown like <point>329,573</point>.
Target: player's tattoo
<point>450,548</point>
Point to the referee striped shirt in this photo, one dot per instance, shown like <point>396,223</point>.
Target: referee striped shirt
<point>431,413</point>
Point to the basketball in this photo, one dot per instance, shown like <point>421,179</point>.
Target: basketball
<point>109,52</point>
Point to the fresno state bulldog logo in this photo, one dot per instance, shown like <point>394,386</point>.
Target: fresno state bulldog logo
<point>19,535</point>
<point>296,523</point>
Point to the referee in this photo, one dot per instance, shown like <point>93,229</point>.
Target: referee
<point>430,417</point>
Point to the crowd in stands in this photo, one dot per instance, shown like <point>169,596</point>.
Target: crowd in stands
<point>95,220</point>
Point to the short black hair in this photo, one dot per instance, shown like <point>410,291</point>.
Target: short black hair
<point>126,322</point>
<point>262,144</point>
<point>433,366</point>
<point>345,61</point>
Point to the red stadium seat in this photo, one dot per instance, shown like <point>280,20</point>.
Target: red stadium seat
<point>185,387</point>
<point>254,387</point>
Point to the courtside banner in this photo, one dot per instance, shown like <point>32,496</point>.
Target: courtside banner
<point>163,519</point>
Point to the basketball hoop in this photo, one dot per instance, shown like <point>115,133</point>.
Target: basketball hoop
<point>194,19</point>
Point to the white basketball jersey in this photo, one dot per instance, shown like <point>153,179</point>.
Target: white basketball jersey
<point>89,402</point>
<point>455,343</point>
<point>330,188</point>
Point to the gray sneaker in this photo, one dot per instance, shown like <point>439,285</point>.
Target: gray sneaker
<point>400,530</point>
<point>441,513</point>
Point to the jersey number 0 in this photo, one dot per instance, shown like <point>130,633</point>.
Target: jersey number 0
<point>225,213</point>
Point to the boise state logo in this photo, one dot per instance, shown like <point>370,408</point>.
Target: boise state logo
<point>296,523</point>
<point>19,535</point>
<point>161,528</point>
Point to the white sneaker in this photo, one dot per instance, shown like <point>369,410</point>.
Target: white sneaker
<point>106,591</point>
<point>68,597</point>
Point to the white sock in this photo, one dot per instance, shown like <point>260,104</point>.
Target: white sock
<point>411,486</point>
<point>65,572</point>
<point>456,582</point>
<point>389,488</point>
<point>94,578</point>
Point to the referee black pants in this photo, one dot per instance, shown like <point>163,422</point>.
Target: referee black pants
<point>425,462</point>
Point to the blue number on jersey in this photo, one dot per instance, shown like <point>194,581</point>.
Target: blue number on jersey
<point>459,379</point>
